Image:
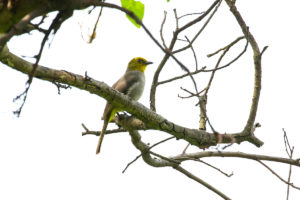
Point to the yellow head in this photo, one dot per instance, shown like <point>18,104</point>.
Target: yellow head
<point>138,63</point>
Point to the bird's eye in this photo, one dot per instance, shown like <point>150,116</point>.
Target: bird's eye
<point>139,60</point>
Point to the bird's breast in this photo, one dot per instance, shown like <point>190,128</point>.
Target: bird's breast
<point>136,83</point>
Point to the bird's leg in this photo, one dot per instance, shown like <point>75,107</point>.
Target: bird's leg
<point>124,114</point>
<point>121,116</point>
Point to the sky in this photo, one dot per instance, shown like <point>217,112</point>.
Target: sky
<point>44,156</point>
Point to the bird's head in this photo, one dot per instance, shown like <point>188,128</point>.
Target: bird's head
<point>138,63</point>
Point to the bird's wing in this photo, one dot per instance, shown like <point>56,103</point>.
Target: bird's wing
<point>121,86</point>
<point>129,80</point>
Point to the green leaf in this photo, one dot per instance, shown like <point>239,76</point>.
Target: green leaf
<point>136,7</point>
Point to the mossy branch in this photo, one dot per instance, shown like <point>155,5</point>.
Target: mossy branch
<point>152,120</point>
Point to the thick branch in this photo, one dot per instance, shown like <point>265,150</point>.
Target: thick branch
<point>152,120</point>
<point>20,27</point>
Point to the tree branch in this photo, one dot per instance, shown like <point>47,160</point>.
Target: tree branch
<point>20,27</point>
<point>152,120</point>
<point>163,161</point>
<point>197,179</point>
<point>193,156</point>
<point>257,66</point>
<point>280,178</point>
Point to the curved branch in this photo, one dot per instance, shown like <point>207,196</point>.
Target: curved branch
<point>257,65</point>
<point>129,124</point>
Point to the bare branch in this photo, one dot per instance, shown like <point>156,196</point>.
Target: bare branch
<point>93,35</point>
<point>97,133</point>
<point>176,19</point>
<point>289,150</point>
<point>161,30</point>
<point>182,76</point>
<point>225,50</point>
<point>195,56</point>
<point>264,49</point>
<point>158,143</point>
<point>280,178</point>
<point>197,179</point>
<point>198,19</point>
<point>192,156</point>
<point>130,163</point>
<point>184,150</point>
<point>168,53</point>
<point>59,86</point>
<point>227,46</point>
<point>189,14</point>
<point>257,65</point>
<point>216,5</point>
<point>163,161</point>
<point>203,116</point>
<point>287,145</point>
<point>219,170</point>
<point>58,20</point>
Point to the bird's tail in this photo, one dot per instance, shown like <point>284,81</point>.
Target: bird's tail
<point>101,136</point>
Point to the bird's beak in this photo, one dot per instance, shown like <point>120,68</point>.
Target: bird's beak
<point>148,63</point>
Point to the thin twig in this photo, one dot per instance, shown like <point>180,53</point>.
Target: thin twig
<point>216,4</point>
<point>184,150</point>
<point>287,145</point>
<point>57,21</point>
<point>225,50</point>
<point>280,178</point>
<point>158,143</point>
<point>236,58</point>
<point>97,133</point>
<point>176,19</point>
<point>189,14</point>
<point>192,48</point>
<point>161,30</point>
<point>219,170</point>
<point>264,49</point>
<point>182,76</point>
<point>131,162</point>
<point>93,35</point>
<point>289,150</point>
<point>227,46</point>
<point>168,52</point>
<point>59,86</point>
<point>289,177</point>
<point>203,154</point>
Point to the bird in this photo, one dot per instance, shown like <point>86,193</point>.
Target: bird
<point>131,84</point>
